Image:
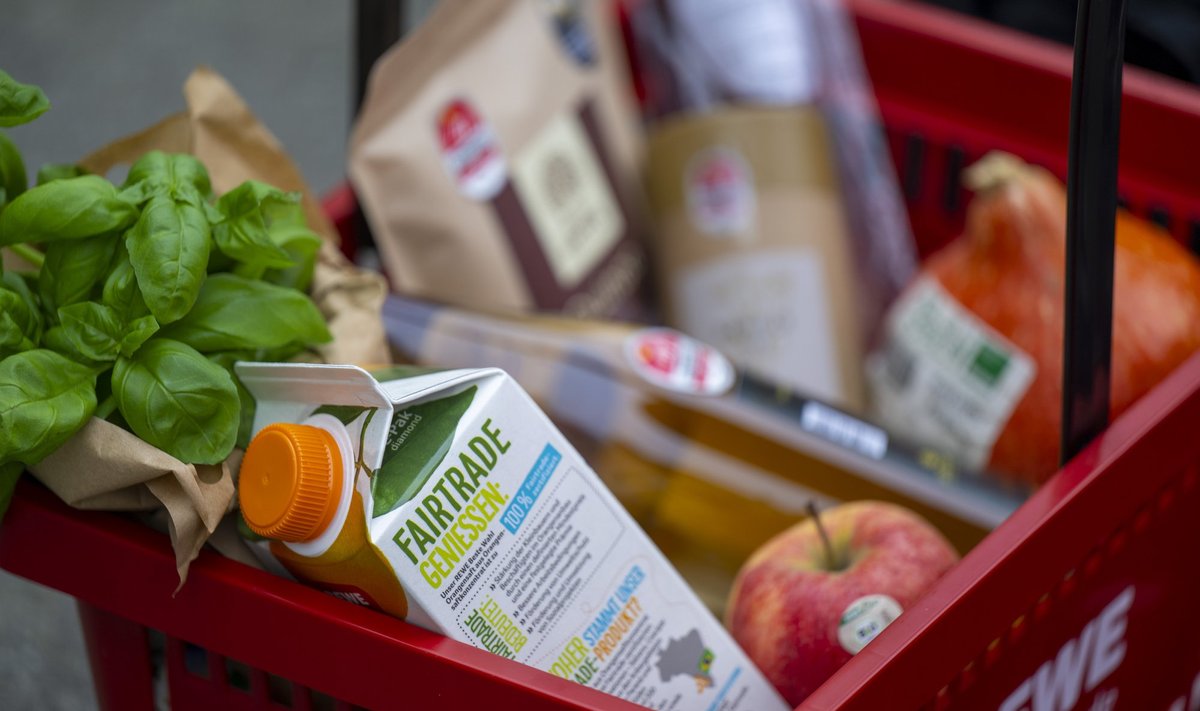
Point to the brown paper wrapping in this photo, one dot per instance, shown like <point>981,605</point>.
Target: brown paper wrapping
<point>105,467</point>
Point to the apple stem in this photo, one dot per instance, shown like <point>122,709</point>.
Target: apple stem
<point>830,557</point>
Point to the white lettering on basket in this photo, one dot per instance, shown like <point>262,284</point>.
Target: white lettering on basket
<point>1098,651</point>
<point>1186,702</point>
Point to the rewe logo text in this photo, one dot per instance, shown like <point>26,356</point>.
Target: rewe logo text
<point>1081,664</point>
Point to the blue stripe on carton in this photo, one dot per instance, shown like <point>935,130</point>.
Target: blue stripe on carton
<point>535,481</point>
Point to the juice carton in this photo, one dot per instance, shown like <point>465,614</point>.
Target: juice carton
<point>450,500</point>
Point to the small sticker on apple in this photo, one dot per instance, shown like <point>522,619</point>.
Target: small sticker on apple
<point>864,619</point>
<point>668,359</point>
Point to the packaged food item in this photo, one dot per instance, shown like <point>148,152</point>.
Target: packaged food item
<point>752,248</point>
<point>972,356</point>
<point>711,462</point>
<point>696,57</point>
<point>448,499</point>
<point>497,160</point>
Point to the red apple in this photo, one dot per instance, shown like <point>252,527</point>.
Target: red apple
<point>790,601</point>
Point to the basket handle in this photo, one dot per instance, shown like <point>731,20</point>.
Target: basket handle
<point>1091,221</point>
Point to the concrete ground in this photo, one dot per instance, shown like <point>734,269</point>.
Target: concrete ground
<point>111,68</point>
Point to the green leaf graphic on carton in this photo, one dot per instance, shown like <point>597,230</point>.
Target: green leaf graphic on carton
<point>347,414</point>
<point>344,414</point>
<point>418,440</point>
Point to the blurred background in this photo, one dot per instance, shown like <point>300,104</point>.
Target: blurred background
<point>115,67</point>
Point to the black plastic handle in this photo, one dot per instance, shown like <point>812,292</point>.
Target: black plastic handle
<point>1091,221</point>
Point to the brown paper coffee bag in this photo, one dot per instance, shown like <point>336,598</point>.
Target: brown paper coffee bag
<point>752,247</point>
<point>497,160</point>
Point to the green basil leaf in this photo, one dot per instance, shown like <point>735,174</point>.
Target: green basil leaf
<point>73,269</point>
<point>121,290</point>
<point>213,214</point>
<point>177,400</point>
<point>227,360</point>
<point>137,333</point>
<point>176,175</point>
<point>56,340</point>
<point>301,245</point>
<point>20,103</point>
<point>12,171</point>
<point>169,250</point>
<point>139,193</point>
<point>218,262</point>
<point>282,354</point>
<point>409,462</point>
<point>58,171</point>
<point>20,322</point>
<point>71,208</point>
<point>44,399</point>
<point>10,472</point>
<point>233,313</point>
<point>243,233</point>
<point>94,331</point>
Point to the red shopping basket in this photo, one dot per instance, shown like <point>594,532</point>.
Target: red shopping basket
<point>1082,599</point>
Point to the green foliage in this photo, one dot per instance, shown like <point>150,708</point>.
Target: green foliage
<point>149,292</point>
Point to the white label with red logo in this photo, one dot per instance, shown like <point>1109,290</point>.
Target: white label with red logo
<point>671,360</point>
<point>470,151</point>
<point>720,192</point>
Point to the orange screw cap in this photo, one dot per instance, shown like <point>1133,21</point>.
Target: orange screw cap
<point>290,482</point>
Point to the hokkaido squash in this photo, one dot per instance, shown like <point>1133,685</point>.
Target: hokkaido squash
<point>1007,272</point>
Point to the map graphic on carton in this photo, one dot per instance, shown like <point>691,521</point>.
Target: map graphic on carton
<point>687,656</point>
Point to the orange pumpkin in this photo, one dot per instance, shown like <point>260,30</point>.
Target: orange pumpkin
<point>1008,269</point>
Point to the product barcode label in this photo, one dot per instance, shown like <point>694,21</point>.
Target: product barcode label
<point>840,428</point>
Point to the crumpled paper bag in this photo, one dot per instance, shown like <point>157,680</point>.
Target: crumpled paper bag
<point>103,466</point>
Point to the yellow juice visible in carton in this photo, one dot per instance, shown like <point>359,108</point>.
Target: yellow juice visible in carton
<point>448,499</point>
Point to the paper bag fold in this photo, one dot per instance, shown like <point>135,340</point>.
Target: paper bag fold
<point>103,467</point>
